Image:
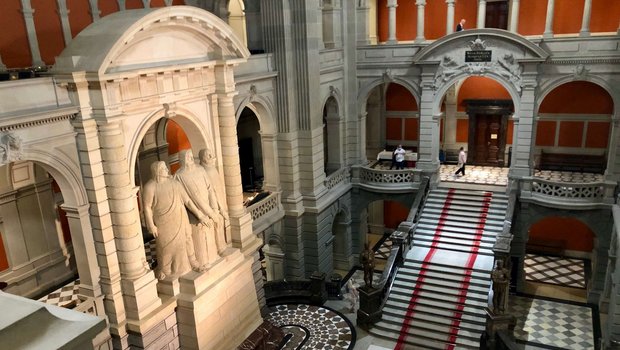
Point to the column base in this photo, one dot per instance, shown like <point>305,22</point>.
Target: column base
<point>218,309</point>
<point>157,331</point>
<point>547,35</point>
<point>584,33</point>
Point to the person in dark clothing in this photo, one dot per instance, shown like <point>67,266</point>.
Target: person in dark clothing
<point>461,25</point>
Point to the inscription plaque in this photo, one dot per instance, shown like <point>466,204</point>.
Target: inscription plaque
<point>478,56</point>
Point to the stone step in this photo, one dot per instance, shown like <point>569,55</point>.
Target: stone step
<point>433,323</point>
<point>419,342</point>
<point>448,227</point>
<point>472,204</point>
<point>416,331</point>
<point>454,286</point>
<point>449,240</point>
<point>460,214</point>
<point>455,216</point>
<point>488,237</point>
<point>467,197</point>
<point>453,247</point>
<point>438,204</point>
<point>474,311</point>
<point>449,258</point>
<point>448,270</point>
<point>498,195</point>
<point>457,278</point>
<point>432,298</point>
<point>452,222</point>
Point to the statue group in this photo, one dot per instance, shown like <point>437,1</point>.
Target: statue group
<point>186,240</point>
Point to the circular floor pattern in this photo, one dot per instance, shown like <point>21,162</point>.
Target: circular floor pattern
<point>313,327</point>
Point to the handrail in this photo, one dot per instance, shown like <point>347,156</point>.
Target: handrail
<point>387,280</point>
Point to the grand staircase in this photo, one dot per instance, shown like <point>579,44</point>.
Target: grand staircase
<point>438,297</point>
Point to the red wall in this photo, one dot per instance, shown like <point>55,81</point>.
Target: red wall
<point>4,262</point>
<point>49,31</point>
<point>177,141</point>
<point>481,88</point>
<point>545,133</point>
<point>398,98</point>
<point>575,234</point>
<point>605,15</point>
<point>532,16</point>
<point>14,47</point>
<point>394,213</point>
<point>400,128</point>
<point>580,97</point>
<point>567,16</point>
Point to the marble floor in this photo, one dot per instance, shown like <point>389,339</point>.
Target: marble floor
<point>561,271</point>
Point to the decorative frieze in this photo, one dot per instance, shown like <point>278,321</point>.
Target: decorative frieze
<point>38,122</point>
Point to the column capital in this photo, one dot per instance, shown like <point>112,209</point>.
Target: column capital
<point>449,2</point>
<point>420,2</point>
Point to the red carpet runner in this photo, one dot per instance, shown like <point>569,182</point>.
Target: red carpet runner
<point>473,254</point>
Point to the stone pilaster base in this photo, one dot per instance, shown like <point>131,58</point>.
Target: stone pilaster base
<point>218,309</point>
<point>158,331</point>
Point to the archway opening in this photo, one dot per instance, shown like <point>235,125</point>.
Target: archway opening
<point>573,129</point>
<point>341,247</point>
<point>332,150</point>
<point>250,152</point>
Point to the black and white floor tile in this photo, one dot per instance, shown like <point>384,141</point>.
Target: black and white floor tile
<point>313,327</point>
<point>562,271</point>
<point>552,324</point>
<point>65,295</point>
<point>475,174</point>
<point>382,252</point>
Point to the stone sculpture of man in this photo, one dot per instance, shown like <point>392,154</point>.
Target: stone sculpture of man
<point>500,277</point>
<point>196,182</point>
<point>207,160</point>
<point>166,218</point>
<point>367,259</point>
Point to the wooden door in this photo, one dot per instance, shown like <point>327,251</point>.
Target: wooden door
<point>496,15</point>
<point>488,140</point>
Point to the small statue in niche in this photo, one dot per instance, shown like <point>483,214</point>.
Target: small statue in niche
<point>166,218</point>
<point>367,259</point>
<point>500,277</point>
<point>10,148</point>
<point>208,162</point>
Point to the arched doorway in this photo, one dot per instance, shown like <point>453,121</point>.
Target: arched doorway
<point>250,151</point>
<point>332,139</point>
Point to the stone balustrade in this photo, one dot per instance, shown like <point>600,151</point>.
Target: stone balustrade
<point>342,175</point>
<point>386,180</point>
<point>567,195</point>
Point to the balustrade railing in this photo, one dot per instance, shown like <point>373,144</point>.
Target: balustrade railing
<point>568,193</point>
<point>386,179</point>
<point>342,175</point>
<point>270,204</point>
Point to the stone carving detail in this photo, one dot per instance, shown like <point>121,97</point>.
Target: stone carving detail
<point>166,218</point>
<point>367,260</point>
<point>10,148</point>
<point>478,44</point>
<point>508,67</point>
<point>253,92</point>
<point>501,277</point>
<point>574,190</point>
<point>220,206</point>
<point>581,71</point>
<point>388,76</point>
<point>447,68</point>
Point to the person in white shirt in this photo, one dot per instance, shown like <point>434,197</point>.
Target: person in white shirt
<point>399,156</point>
<point>462,161</point>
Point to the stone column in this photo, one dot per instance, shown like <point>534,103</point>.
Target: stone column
<point>240,221</point>
<point>146,4</point>
<point>84,249</point>
<point>269,145</point>
<point>32,33</point>
<point>613,152</point>
<point>420,30</point>
<point>2,65</point>
<point>482,13</point>
<point>361,23</point>
<point>513,22</point>
<point>585,22</point>
<point>428,151</point>
<point>549,20</point>
<point>64,20</point>
<point>391,5</point>
<point>121,5</point>
<point>168,2</point>
<point>524,137</point>
<point>94,10</point>
<point>450,17</point>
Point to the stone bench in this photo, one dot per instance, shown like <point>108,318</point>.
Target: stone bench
<point>546,246</point>
<point>572,162</point>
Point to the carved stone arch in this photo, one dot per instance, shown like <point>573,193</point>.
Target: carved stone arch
<point>262,108</point>
<point>549,85</point>
<point>336,94</point>
<point>189,122</point>
<point>365,90</point>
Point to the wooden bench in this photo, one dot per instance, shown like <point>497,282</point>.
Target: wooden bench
<point>572,162</point>
<point>452,156</point>
<point>545,246</point>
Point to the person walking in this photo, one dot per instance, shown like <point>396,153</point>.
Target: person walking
<point>462,161</point>
<point>399,157</point>
<point>461,25</point>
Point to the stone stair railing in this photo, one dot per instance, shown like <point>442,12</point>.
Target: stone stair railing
<point>373,299</point>
<point>567,194</point>
<point>266,212</point>
<point>611,301</point>
<point>386,180</point>
<point>342,175</point>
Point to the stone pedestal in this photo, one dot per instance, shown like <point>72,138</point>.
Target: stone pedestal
<point>370,307</point>
<point>496,323</point>
<point>218,309</point>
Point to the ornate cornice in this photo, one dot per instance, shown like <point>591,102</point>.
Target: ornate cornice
<point>38,122</point>
<point>572,61</point>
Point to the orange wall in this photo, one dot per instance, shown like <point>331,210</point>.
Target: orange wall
<point>4,261</point>
<point>393,128</point>
<point>466,9</point>
<point>435,13</point>
<point>49,31</point>
<point>107,7</point>
<point>597,134</point>
<point>509,131</point>
<point>481,88</point>
<point>532,14</point>
<point>14,47</point>
<point>605,15</point>
<point>545,133</point>
<point>398,98</point>
<point>567,16</point>
<point>79,15</point>
<point>176,138</point>
<point>575,234</point>
<point>571,134</point>
<point>411,129</point>
<point>462,130</point>
<point>133,4</point>
<point>394,213</point>
<point>580,97</point>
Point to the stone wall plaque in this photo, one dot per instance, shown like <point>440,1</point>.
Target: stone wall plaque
<point>478,56</point>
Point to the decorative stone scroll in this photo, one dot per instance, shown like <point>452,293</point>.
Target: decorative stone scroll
<point>10,148</point>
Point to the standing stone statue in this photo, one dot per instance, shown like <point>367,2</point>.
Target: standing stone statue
<point>367,259</point>
<point>196,182</point>
<point>166,218</point>
<point>500,277</point>
<point>208,160</point>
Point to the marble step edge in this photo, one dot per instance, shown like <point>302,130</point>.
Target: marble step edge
<point>473,323</point>
<point>426,333</point>
<point>453,270</point>
<point>433,299</point>
<point>479,281</point>
<point>457,248</point>
<point>484,236</point>
<point>477,201</point>
<point>399,302</point>
<point>448,227</point>
<point>406,290</point>
<point>440,283</point>
<point>488,225</point>
<point>429,211</point>
<point>470,192</point>
<point>456,241</point>
<point>420,343</point>
<point>430,325</point>
<point>409,260</point>
<point>492,209</point>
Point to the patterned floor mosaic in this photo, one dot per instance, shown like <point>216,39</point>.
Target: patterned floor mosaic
<point>313,327</point>
<point>560,271</point>
<point>552,324</point>
<point>383,251</point>
<point>475,174</point>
